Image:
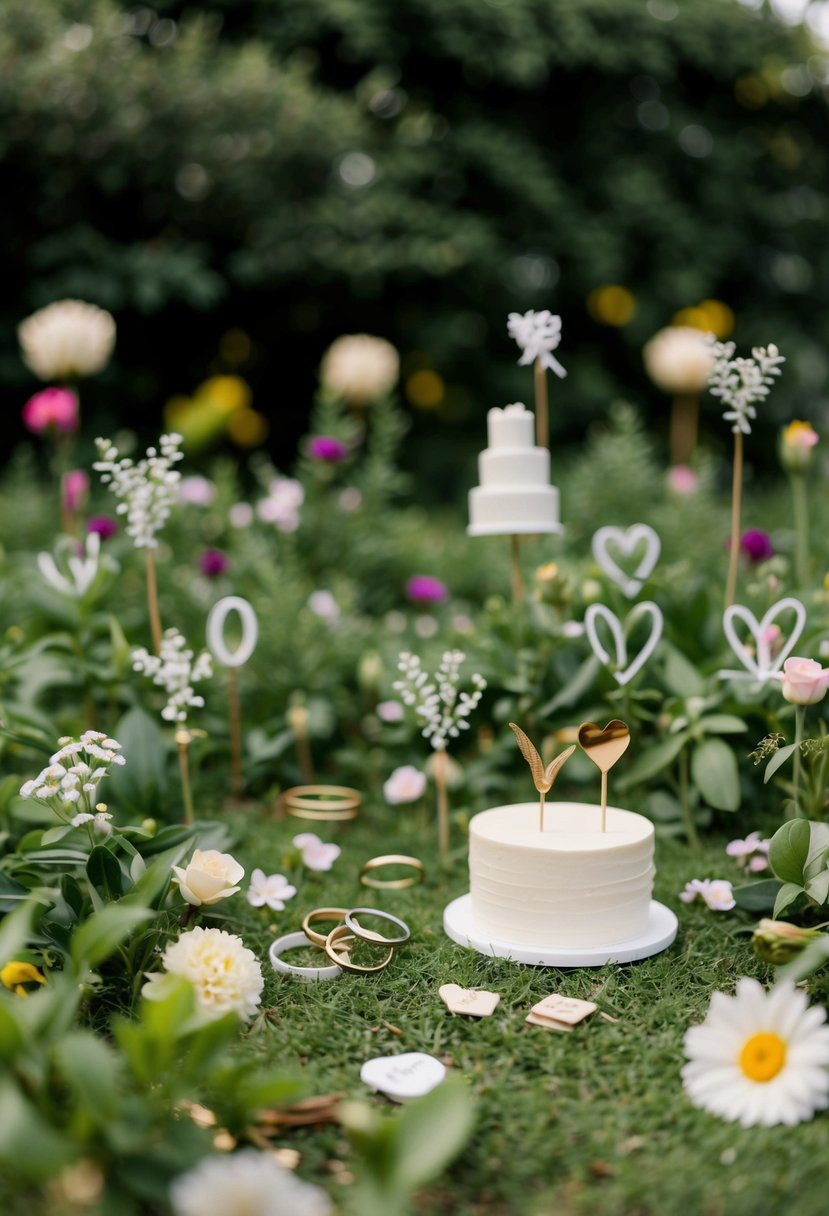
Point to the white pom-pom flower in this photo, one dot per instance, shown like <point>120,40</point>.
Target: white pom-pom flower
<point>360,368</point>
<point>225,975</point>
<point>66,340</point>
<point>679,360</point>
<point>243,1184</point>
<point>759,1058</point>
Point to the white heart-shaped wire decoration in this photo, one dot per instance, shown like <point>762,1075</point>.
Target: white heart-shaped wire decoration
<point>646,608</point>
<point>760,666</point>
<point>627,540</point>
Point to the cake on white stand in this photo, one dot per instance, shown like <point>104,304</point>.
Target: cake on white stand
<point>514,496</point>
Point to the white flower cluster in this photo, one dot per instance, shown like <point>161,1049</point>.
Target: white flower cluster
<point>245,1182</point>
<point>538,334</point>
<point>176,671</point>
<point>740,382</point>
<point>70,781</point>
<point>437,704</point>
<point>147,490</point>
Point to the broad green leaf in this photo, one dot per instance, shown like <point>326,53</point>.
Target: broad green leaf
<point>653,761</point>
<point>681,677</point>
<point>778,760</point>
<point>815,955</point>
<point>789,850</point>
<point>11,1035</point>
<point>104,872</point>
<point>722,724</point>
<point>16,930</point>
<point>151,887</point>
<point>431,1132</point>
<point>715,774</point>
<point>101,935</point>
<point>757,896</point>
<point>817,888</point>
<point>139,785</point>
<point>786,896</point>
<point>574,689</point>
<point>92,1070</point>
<point>29,1147</point>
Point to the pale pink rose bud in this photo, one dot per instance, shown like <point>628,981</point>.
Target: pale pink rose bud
<point>804,681</point>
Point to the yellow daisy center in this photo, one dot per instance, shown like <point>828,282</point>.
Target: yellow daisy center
<point>763,1056</point>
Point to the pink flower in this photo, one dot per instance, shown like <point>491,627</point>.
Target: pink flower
<point>390,711</point>
<point>756,545</point>
<point>75,489</point>
<point>424,590</point>
<point>213,562</point>
<point>270,889</point>
<point>51,409</point>
<point>804,681</point>
<point>104,525</point>
<point>715,892</point>
<point>751,852</point>
<point>327,448</point>
<point>197,491</point>
<point>315,854</point>
<point>406,784</point>
<point>682,479</point>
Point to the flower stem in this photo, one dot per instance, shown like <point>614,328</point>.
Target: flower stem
<point>736,503</point>
<point>183,741</point>
<point>152,601</point>
<point>542,414</point>
<point>685,803</point>
<point>443,800</point>
<point>517,577</point>
<point>235,734</point>
<point>799,718</point>
<point>800,504</point>
<point>684,425</point>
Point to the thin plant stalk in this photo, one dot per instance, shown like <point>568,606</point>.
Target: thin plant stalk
<point>542,412</point>
<point>298,722</point>
<point>684,427</point>
<point>736,504</point>
<point>541,796</point>
<point>443,800</point>
<point>800,505</point>
<point>183,742</point>
<point>685,803</point>
<point>799,719</point>
<point>517,576</point>
<point>152,601</point>
<point>235,734</point>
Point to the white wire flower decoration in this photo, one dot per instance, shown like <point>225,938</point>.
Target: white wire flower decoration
<point>538,334</point>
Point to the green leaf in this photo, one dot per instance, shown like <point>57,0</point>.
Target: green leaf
<point>815,955</point>
<point>11,1036</point>
<point>653,760</point>
<point>574,689</point>
<point>778,760</point>
<point>16,930</point>
<point>715,774</point>
<point>722,724</point>
<point>99,936</point>
<point>681,677</point>
<point>789,850</point>
<point>817,888</point>
<point>92,1071</point>
<point>786,896</point>
<point>29,1146</point>
<point>140,784</point>
<point>757,896</point>
<point>431,1132</point>
<point>104,872</point>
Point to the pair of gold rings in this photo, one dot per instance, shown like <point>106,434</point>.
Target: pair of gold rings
<point>368,879</point>
<point>328,803</point>
<point>336,942</point>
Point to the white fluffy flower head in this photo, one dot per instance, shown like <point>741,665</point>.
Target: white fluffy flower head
<point>759,1057</point>
<point>679,359</point>
<point>175,670</point>
<point>245,1184</point>
<point>147,491</point>
<point>438,705</point>
<point>538,334</point>
<point>739,383</point>
<point>360,368</point>
<point>69,783</point>
<point>66,340</point>
<point>225,975</point>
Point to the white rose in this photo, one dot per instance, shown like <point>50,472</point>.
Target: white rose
<point>209,877</point>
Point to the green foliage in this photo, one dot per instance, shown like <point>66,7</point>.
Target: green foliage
<point>799,857</point>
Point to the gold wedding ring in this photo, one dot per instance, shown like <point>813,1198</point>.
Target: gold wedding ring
<point>392,884</point>
<point>330,803</point>
<point>342,934</point>
<point>318,939</point>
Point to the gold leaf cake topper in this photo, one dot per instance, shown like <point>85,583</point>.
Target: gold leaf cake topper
<point>543,777</point>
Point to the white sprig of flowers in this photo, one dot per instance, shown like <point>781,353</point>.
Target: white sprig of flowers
<point>741,382</point>
<point>438,704</point>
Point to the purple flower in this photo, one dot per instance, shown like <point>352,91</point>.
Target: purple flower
<point>327,448</point>
<point>756,545</point>
<point>424,590</point>
<point>213,562</point>
<point>104,525</point>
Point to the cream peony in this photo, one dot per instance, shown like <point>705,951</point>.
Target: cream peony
<point>678,360</point>
<point>66,340</point>
<point>804,681</point>
<point>225,975</point>
<point>208,877</point>
<point>245,1184</point>
<point>360,368</point>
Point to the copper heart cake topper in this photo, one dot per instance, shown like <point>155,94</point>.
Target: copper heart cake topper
<point>604,746</point>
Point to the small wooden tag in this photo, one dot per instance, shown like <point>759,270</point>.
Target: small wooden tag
<point>474,1002</point>
<point>567,1009</point>
<point>536,1019</point>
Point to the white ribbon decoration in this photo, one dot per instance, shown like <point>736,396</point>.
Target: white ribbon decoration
<point>538,334</point>
<point>760,666</point>
<point>619,633</point>
<point>216,625</point>
<point>627,541</point>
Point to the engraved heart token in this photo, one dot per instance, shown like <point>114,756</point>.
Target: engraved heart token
<point>402,1078</point>
<point>474,1002</point>
<point>605,745</point>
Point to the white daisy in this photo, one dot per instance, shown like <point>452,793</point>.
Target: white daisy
<point>759,1057</point>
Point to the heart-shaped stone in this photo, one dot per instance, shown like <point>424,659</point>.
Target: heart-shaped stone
<point>626,542</point>
<point>474,1002</point>
<point>404,1077</point>
<point>760,665</point>
<point>597,612</point>
<point>604,745</point>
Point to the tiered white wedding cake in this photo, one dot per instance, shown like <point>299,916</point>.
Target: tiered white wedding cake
<point>514,496</point>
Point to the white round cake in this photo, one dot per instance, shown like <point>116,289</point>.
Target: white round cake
<point>571,885</point>
<point>515,495</point>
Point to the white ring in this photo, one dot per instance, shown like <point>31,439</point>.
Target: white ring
<point>215,630</point>
<point>292,941</point>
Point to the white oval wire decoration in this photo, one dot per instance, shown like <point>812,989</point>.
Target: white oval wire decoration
<point>216,626</point>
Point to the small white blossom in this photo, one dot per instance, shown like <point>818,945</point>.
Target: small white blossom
<point>406,784</point>
<point>147,490</point>
<point>65,789</point>
<point>281,507</point>
<point>716,893</point>
<point>245,1184</point>
<point>437,703</point>
<point>538,334</point>
<point>739,383</point>
<point>316,854</point>
<point>176,671</point>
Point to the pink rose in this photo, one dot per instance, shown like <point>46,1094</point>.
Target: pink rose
<point>804,681</point>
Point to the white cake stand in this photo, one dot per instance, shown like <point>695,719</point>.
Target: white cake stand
<point>657,935</point>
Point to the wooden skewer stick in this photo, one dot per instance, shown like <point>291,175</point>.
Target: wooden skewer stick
<point>542,414</point>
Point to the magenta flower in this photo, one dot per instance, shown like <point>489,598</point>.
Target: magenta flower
<point>756,545</point>
<point>424,590</point>
<point>327,448</point>
<point>52,409</point>
<point>213,562</point>
<point>104,525</point>
<point>75,489</point>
